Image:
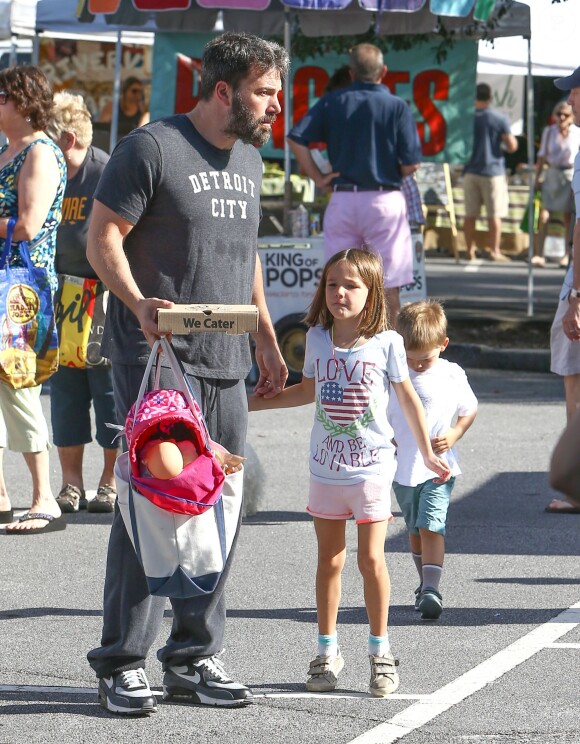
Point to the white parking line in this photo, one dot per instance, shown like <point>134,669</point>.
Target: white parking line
<point>475,679</point>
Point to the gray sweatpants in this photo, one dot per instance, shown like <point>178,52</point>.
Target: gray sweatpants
<point>132,617</point>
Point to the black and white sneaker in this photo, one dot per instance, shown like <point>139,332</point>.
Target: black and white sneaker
<point>205,682</point>
<point>127,693</point>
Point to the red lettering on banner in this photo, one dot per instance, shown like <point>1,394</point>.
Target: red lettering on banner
<point>433,118</point>
<point>186,84</point>
<point>302,89</point>
<point>392,79</point>
<point>278,126</point>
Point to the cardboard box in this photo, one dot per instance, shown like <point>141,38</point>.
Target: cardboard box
<point>230,319</point>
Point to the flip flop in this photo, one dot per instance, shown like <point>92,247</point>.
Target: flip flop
<point>567,509</point>
<point>55,524</point>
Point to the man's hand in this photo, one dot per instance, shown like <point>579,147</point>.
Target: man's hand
<point>571,320</point>
<point>324,183</point>
<point>273,371</point>
<point>146,312</point>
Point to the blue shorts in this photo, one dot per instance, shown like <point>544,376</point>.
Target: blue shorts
<point>71,392</point>
<point>425,506</point>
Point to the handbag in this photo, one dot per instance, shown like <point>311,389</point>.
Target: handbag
<point>28,338</point>
<point>80,308</point>
<point>182,528</point>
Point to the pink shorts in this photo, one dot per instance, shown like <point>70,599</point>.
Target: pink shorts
<point>376,220</point>
<point>366,501</point>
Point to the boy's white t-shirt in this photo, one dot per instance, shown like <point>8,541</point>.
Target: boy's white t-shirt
<point>351,437</point>
<point>445,394</point>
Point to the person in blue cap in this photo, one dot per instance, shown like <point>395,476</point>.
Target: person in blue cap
<point>565,333</point>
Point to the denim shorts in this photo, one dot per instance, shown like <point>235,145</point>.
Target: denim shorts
<point>425,506</point>
<point>71,392</point>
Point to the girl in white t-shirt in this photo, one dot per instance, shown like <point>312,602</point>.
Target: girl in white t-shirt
<point>351,362</point>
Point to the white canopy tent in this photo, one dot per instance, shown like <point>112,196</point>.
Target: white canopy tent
<point>555,29</point>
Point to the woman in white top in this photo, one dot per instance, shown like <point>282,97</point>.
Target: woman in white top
<point>559,145</point>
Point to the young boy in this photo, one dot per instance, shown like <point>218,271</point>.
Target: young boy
<point>450,406</point>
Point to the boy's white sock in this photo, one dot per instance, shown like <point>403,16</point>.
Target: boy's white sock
<point>379,645</point>
<point>432,576</point>
<point>327,645</point>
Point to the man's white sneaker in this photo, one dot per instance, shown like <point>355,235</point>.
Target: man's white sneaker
<point>127,693</point>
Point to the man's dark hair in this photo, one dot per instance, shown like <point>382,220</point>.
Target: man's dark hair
<point>483,93</point>
<point>231,56</point>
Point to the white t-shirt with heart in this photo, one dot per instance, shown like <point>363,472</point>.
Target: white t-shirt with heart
<point>351,437</point>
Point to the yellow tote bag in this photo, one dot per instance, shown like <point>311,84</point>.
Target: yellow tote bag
<point>79,310</point>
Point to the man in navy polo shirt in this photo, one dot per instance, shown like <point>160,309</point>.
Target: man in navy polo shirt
<point>372,143</point>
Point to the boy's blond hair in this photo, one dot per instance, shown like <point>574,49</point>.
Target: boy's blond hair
<point>422,325</point>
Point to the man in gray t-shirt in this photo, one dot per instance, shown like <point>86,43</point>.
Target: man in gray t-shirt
<point>175,220</point>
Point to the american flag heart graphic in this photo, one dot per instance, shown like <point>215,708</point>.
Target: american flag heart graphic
<point>344,405</point>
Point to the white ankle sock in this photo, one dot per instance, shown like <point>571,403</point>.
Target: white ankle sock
<point>379,645</point>
<point>327,645</point>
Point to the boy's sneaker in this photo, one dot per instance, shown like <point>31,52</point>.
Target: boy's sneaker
<point>104,500</point>
<point>418,591</point>
<point>384,675</point>
<point>323,673</point>
<point>205,682</point>
<point>430,604</point>
<point>71,499</point>
<point>127,693</point>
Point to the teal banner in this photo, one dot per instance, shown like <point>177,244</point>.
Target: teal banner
<point>441,94</point>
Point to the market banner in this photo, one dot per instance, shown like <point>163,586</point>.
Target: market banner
<point>440,93</point>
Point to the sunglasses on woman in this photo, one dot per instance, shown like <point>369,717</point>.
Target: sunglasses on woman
<point>4,96</point>
<point>561,114</point>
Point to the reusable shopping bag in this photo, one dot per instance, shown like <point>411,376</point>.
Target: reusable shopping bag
<point>536,208</point>
<point>80,308</point>
<point>182,528</point>
<point>28,334</point>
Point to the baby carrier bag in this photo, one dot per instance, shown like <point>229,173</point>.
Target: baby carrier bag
<point>182,526</point>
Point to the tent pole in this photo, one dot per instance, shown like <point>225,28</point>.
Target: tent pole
<point>116,91</point>
<point>287,107</point>
<point>530,104</point>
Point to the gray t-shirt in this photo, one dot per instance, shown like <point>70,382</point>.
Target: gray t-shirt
<point>71,239</point>
<point>195,210</point>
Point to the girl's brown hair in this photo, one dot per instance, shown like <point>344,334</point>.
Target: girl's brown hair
<point>370,269</point>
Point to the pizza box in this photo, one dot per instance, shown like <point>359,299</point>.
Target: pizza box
<point>230,319</point>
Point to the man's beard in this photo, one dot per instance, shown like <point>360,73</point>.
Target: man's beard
<point>244,125</point>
